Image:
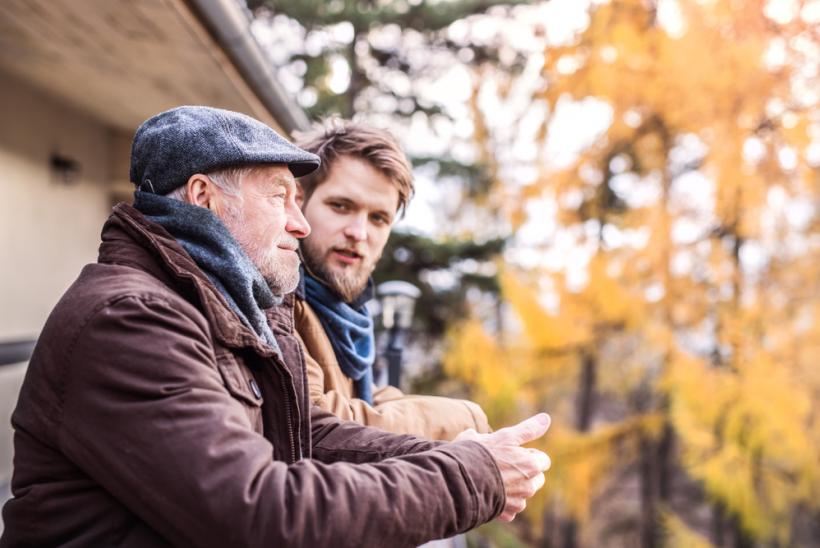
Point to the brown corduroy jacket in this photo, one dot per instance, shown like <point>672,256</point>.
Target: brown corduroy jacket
<point>392,410</point>
<point>151,416</point>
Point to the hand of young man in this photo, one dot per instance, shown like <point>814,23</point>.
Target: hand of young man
<point>522,469</point>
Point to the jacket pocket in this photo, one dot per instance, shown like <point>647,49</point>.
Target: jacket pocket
<point>241,384</point>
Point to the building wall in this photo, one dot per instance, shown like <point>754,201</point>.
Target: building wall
<point>11,377</point>
<point>48,229</point>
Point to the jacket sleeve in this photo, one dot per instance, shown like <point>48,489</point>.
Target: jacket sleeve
<point>145,415</point>
<point>426,416</point>
<point>334,439</point>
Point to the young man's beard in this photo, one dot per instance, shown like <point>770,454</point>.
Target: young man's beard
<point>348,284</point>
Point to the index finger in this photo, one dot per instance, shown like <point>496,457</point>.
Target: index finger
<point>527,430</point>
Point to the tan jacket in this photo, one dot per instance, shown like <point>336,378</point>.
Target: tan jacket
<point>428,416</point>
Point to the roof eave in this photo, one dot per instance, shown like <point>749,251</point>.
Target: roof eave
<point>229,23</point>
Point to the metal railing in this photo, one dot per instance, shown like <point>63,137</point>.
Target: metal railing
<point>15,351</point>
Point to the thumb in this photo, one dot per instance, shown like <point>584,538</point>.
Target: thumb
<point>526,430</point>
<point>468,435</point>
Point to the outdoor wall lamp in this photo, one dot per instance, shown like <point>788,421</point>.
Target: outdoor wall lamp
<point>64,169</point>
<point>397,300</point>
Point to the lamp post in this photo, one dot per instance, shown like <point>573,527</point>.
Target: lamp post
<point>397,302</point>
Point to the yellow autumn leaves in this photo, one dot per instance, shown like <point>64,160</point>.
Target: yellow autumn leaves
<point>698,351</point>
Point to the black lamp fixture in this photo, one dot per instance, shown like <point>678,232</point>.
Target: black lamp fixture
<point>397,299</point>
<point>65,170</point>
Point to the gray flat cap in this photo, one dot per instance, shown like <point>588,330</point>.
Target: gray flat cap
<point>173,145</point>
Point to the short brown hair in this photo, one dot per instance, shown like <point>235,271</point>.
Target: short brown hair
<point>335,138</point>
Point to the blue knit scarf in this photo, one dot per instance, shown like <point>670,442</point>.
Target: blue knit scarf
<point>350,330</point>
<point>218,255</point>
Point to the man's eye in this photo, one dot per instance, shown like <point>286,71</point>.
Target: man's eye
<point>380,220</point>
<point>339,206</point>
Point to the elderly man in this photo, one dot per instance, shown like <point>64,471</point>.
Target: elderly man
<point>166,405</point>
<point>363,184</point>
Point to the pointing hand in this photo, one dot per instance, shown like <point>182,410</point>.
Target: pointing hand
<point>522,469</point>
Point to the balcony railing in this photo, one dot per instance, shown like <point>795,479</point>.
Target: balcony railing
<point>15,351</point>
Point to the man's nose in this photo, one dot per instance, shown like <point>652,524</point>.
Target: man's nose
<point>356,228</point>
<point>297,225</point>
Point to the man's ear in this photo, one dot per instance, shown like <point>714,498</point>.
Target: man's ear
<point>202,192</point>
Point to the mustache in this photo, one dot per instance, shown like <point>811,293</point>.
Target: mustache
<point>286,240</point>
<point>361,251</point>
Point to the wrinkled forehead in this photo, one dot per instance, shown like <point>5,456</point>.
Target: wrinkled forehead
<point>273,175</point>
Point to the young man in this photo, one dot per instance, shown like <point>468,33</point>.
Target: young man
<point>362,185</point>
<point>166,405</point>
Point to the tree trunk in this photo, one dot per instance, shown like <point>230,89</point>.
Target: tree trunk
<point>586,392</point>
<point>584,411</point>
<point>548,526</point>
<point>356,77</point>
<point>570,532</point>
<point>718,517</point>
<point>741,537</point>
<point>649,488</point>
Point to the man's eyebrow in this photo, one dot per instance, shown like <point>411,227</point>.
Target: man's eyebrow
<point>346,200</point>
<point>283,180</point>
<point>339,198</point>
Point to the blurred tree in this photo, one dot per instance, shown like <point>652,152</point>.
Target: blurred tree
<point>416,259</point>
<point>386,47</point>
<point>366,59</point>
<point>675,342</point>
<point>716,322</point>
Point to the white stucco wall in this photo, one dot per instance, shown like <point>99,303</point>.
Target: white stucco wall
<point>11,377</point>
<point>48,230</point>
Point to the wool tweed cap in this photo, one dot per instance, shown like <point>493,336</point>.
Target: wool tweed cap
<point>173,145</point>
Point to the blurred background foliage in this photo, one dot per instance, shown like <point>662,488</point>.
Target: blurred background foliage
<point>617,222</point>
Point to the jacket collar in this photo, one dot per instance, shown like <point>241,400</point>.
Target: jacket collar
<point>129,239</point>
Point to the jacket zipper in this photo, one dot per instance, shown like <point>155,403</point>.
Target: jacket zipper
<point>283,376</point>
<point>289,416</point>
